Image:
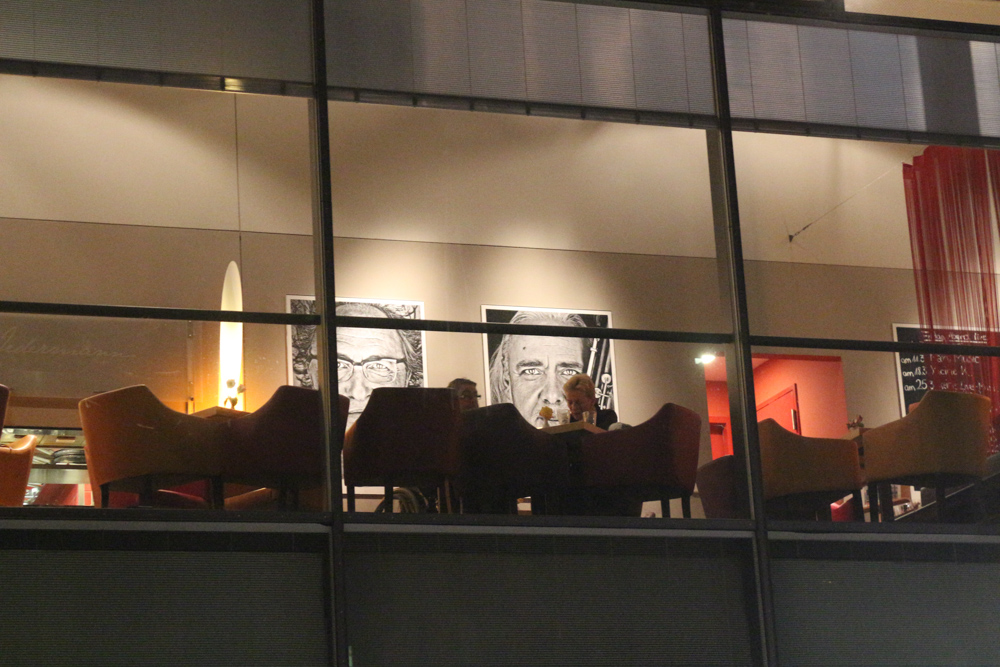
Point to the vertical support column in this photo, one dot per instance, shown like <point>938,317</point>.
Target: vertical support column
<point>739,366</point>
<point>326,332</point>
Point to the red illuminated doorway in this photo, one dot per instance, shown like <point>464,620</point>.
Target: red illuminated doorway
<point>783,408</point>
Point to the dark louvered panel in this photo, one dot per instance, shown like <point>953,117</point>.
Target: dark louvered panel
<point>164,608</point>
<point>948,85</point>
<point>440,47</point>
<point>950,617</point>
<point>913,87</point>
<point>369,44</point>
<point>878,80</point>
<point>698,57</point>
<point>552,59</point>
<point>192,36</point>
<point>737,44</point>
<point>267,39</point>
<point>605,56</point>
<point>131,34</point>
<point>17,29</point>
<point>543,600</point>
<point>496,49</point>
<point>661,74</point>
<point>826,76</point>
<point>776,71</point>
<point>987,82</point>
<point>67,32</point>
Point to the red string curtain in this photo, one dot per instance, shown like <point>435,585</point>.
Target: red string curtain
<point>952,197</point>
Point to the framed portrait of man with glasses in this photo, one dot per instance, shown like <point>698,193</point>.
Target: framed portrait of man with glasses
<point>366,358</point>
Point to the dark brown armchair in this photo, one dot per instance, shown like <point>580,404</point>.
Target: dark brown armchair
<point>505,458</point>
<point>406,436</point>
<point>654,460</point>
<point>279,446</point>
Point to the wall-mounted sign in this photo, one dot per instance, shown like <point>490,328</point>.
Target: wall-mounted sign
<point>918,372</point>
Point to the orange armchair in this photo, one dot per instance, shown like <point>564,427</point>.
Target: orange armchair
<point>941,443</point>
<point>802,475</point>
<point>15,461</point>
<point>15,467</point>
<point>134,443</point>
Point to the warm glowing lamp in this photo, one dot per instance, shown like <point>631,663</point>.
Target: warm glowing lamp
<point>231,343</point>
<point>706,358</point>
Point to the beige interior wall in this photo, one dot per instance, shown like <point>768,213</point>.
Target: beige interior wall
<point>821,301</point>
<point>137,195</point>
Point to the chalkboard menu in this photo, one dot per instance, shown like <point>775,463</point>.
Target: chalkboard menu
<point>916,373</point>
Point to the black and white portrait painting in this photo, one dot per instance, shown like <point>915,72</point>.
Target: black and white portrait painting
<point>366,358</point>
<point>529,371</point>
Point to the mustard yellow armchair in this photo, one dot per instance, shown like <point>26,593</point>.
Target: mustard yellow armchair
<point>803,475</point>
<point>941,443</point>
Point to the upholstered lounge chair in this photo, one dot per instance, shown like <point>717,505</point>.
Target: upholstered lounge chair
<point>803,475</point>
<point>941,443</point>
<point>136,444</point>
<point>406,436</point>
<point>654,460</point>
<point>505,458</point>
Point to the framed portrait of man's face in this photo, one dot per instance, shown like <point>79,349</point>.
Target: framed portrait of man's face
<point>530,371</point>
<point>366,358</point>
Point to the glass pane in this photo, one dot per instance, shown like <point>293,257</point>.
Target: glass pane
<point>142,196</point>
<point>846,409</point>
<point>51,364</point>
<point>523,446</point>
<point>471,212</point>
<point>826,240</point>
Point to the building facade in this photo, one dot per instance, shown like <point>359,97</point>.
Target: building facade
<point>674,180</point>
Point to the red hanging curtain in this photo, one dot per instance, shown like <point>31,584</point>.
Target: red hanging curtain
<point>951,199</point>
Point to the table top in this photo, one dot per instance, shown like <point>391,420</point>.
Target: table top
<point>572,426</point>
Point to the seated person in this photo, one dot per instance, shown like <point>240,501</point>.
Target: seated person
<point>581,397</point>
<point>465,390</point>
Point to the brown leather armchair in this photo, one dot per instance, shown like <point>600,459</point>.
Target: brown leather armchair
<point>406,436</point>
<point>136,444</point>
<point>278,446</point>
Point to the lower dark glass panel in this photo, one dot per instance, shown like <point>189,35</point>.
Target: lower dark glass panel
<point>163,608</point>
<point>548,600</point>
<point>925,611</point>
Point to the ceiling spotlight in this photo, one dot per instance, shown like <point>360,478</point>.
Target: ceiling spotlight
<point>706,358</point>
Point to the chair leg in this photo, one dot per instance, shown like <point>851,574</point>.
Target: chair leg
<point>665,507</point>
<point>217,489</point>
<point>885,502</point>
<point>685,505</point>
<point>944,509</point>
<point>857,506</point>
<point>447,496</point>
<point>873,510</point>
<point>389,500</point>
<point>351,500</point>
<point>146,493</point>
<point>105,495</point>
